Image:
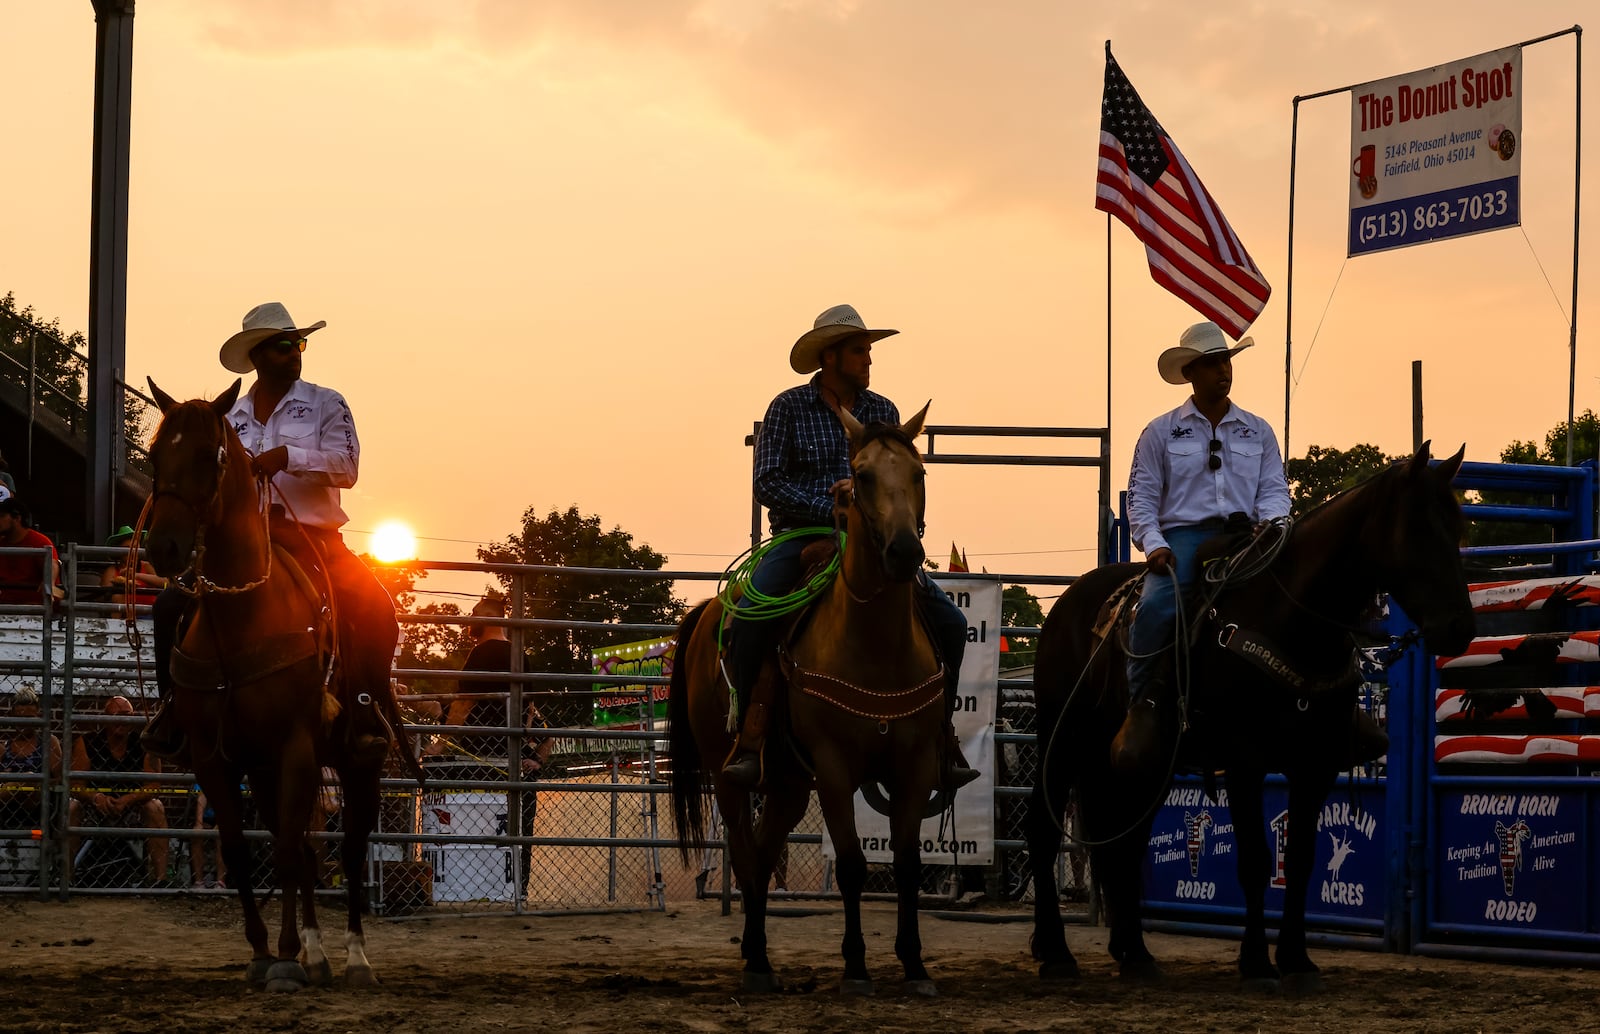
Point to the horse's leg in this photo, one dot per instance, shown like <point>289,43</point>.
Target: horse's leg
<point>1254,868</point>
<point>361,791</point>
<point>1106,804</point>
<point>227,804</point>
<point>744,855</point>
<point>1042,827</point>
<point>297,775</point>
<point>1307,792</point>
<point>838,811</point>
<point>314,958</point>
<point>906,836</point>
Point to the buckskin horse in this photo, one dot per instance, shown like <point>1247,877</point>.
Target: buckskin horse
<point>258,637</point>
<point>862,701</point>
<point>1398,532</point>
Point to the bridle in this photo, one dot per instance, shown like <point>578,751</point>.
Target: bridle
<point>873,533</point>
<point>205,514</point>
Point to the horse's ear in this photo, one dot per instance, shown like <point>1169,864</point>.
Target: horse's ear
<point>1419,460</point>
<point>913,427</point>
<point>852,426</point>
<point>164,401</point>
<point>1447,469</point>
<point>224,402</point>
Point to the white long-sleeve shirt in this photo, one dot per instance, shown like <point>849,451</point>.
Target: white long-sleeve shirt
<point>1171,484</point>
<point>315,426</point>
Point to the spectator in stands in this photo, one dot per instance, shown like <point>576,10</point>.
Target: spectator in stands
<point>118,801</point>
<point>29,750</point>
<point>205,819</point>
<point>6,480</point>
<point>535,756</point>
<point>482,704</point>
<point>24,576</point>
<point>147,584</point>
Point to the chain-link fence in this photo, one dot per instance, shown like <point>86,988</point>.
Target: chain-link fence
<point>516,815</point>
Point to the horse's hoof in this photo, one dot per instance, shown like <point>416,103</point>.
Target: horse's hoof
<point>1142,970</point>
<point>1298,985</point>
<point>1259,985</point>
<point>360,976</point>
<point>761,983</point>
<point>1059,970</point>
<point>256,972</point>
<point>856,988</point>
<point>320,974</point>
<point>920,989</point>
<point>286,975</point>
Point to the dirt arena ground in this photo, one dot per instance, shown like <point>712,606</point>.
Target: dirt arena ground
<point>174,966</point>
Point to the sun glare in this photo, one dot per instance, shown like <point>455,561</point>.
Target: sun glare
<point>393,541</point>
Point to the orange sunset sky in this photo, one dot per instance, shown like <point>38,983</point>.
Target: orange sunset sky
<point>563,246</point>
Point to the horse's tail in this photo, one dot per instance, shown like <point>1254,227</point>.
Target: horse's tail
<point>688,778</point>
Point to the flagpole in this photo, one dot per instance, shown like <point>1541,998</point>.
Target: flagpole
<point>1288,290</point>
<point>1577,181</point>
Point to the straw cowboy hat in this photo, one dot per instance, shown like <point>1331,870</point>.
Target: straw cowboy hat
<point>833,326</point>
<point>266,320</point>
<point>1199,341</point>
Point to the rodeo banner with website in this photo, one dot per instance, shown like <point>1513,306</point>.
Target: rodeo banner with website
<point>969,833</point>
<point>1436,153</point>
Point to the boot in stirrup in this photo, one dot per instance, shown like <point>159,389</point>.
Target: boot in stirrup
<point>161,735</point>
<point>957,772</point>
<point>370,739</point>
<point>744,768</point>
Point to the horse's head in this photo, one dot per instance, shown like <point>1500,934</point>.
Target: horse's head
<point>889,493</point>
<point>1415,535</point>
<point>190,454</point>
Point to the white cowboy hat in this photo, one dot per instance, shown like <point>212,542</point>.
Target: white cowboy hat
<point>263,321</point>
<point>1198,341</point>
<point>831,327</point>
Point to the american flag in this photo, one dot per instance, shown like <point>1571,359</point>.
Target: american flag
<point>1145,181</point>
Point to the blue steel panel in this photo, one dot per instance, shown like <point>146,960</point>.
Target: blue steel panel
<point>1191,860</point>
<point>1509,861</point>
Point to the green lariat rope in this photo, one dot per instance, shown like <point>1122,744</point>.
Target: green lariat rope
<point>735,585</point>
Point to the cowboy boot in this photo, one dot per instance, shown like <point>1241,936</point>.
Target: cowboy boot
<point>161,735</point>
<point>1368,741</point>
<point>954,771</point>
<point>368,736</point>
<point>744,767</point>
<point>1139,739</point>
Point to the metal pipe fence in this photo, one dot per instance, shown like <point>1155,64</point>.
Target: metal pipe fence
<point>585,833</point>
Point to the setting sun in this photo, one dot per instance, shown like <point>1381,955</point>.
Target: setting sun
<point>393,541</point>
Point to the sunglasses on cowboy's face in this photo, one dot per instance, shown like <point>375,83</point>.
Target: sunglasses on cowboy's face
<point>284,346</point>
<point>1214,461</point>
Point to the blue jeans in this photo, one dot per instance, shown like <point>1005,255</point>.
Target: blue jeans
<point>1152,623</point>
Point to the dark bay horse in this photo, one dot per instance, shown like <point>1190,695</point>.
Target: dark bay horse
<point>259,637</point>
<point>1398,532</point>
<point>862,701</point>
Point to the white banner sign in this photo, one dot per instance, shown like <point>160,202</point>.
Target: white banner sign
<point>971,835</point>
<point>1436,153</point>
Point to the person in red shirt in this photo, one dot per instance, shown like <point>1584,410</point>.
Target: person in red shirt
<point>22,575</point>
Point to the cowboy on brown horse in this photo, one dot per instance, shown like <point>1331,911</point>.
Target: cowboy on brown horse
<point>302,442</point>
<point>802,466</point>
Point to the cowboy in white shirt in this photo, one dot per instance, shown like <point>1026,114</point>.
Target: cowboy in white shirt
<point>1193,468</point>
<point>302,439</point>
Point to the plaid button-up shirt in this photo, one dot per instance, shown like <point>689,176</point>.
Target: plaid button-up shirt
<point>803,449</point>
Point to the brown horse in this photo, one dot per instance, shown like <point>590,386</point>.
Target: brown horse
<point>864,702</point>
<point>1397,532</point>
<point>259,636</point>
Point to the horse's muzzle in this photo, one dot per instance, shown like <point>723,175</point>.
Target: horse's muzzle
<point>1450,637</point>
<point>903,556</point>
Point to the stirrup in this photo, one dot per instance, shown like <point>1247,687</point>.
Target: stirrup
<point>160,738</point>
<point>744,770</point>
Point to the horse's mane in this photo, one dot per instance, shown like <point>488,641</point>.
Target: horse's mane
<point>883,429</point>
<point>1381,481</point>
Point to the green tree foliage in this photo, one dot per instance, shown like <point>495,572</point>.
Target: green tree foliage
<point>1553,452</point>
<point>569,539</point>
<point>1019,608</point>
<point>59,368</point>
<point>1324,472</point>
